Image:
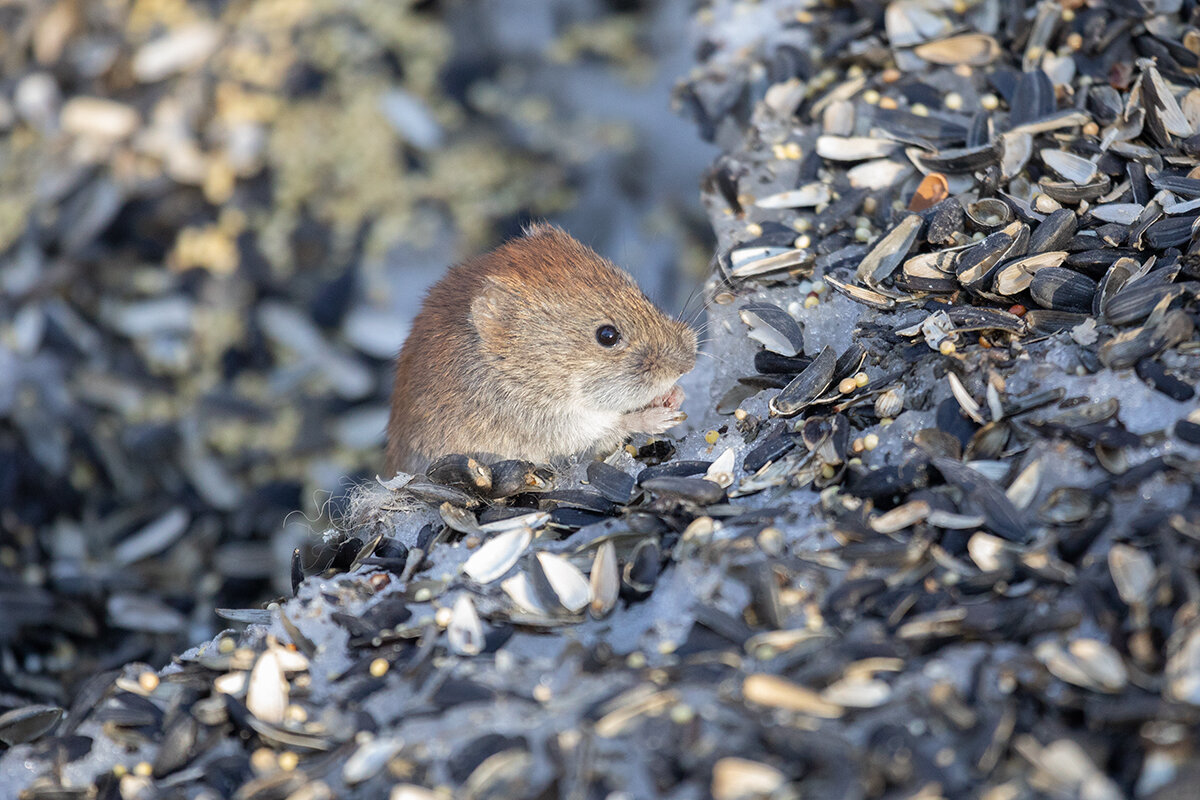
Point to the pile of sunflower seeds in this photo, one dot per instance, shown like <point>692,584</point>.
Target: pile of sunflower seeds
<point>936,532</point>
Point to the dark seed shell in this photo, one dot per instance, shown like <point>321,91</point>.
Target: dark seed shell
<point>655,451</point>
<point>1055,232</point>
<point>1135,302</point>
<point>461,472</point>
<point>28,723</point>
<point>1139,184</point>
<point>1170,232</point>
<point>1033,98</point>
<point>1113,234</point>
<point>498,512</point>
<point>917,285</point>
<point>576,498</point>
<point>387,547</point>
<point>1000,516</point>
<point>773,235</point>
<point>1105,103</point>
<point>569,519</point>
<point>1161,105</point>
<point>516,477</point>
<point>673,469</point>
<point>840,211</point>
<point>1015,275</point>
<point>1072,193</point>
<point>438,494</point>
<point>952,420</point>
<point>981,130</point>
<point>1179,184</point>
<point>889,481</point>
<point>776,329</point>
<point>843,257</point>
<point>178,747</point>
<point>1149,216</point>
<point>1174,388</point>
<point>889,251</point>
<point>542,587</point>
<point>981,319</point>
<point>904,126</point>
<point>640,572</point>
<point>848,362</point>
<point>807,386</point>
<point>1029,402</point>
<point>815,431</point>
<point>645,522</point>
<point>944,220</point>
<point>1126,349</point>
<point>1097,260</point>
<point>957,160</point>
<point>1188,431</point>
<point>769,363</point>
<point>700,491</point>
<point>977,262</point>
<point>1062,289</point>
<point>834,450</point>
<point>977,267</point>
<point>1166,271</point>
<point>614,484</point>
<point>775,445</point>
<point>1113,281</point>
<point>1191,145</point>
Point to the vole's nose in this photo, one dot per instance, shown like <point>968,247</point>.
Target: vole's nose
<point>684,358</point>
<point>660,362</point>
<point>685,351</point>
<point>673,359</point>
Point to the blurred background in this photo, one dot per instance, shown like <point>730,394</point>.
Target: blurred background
<point>216,222</point>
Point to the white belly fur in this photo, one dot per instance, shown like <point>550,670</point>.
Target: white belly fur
<point>579,430</point>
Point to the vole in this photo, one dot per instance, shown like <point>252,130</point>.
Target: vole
<point>540,349</point>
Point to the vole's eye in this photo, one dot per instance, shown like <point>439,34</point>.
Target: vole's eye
<point>607,336</point>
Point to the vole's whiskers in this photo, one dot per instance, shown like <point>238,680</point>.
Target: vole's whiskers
<point>716,358</point>
<point>696,314</point>
<point>697,291</point>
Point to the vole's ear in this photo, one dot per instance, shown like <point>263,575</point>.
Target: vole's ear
<point>490,313</point>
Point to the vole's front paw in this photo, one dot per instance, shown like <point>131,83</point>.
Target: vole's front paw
<point>652,419</point>
<point>672,399</point>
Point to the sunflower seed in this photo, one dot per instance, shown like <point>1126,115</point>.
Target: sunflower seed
<point>604,581</point>
<point>27,723</point>
<point>1015,276</point>
<point>1076,169</point>
<point>853,148</point>
<point>568,584</point>
<point>971,49</point>
<point>497,556</point>
<point>806,386</point>
<point>773,327</point>
<point>464,634</point>
<point>1062,289</point>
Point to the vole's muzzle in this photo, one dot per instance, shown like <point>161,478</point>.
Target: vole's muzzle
<point>666,362</point>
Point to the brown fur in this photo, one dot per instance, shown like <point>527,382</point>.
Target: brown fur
<point>502,361</point>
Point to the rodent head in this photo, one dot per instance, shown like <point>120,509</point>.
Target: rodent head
<point>552,315</point>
